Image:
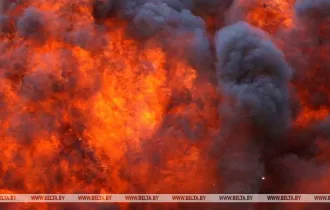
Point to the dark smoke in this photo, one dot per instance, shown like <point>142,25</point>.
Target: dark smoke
<point>253,78</point>
<point>253,72</point>
<point>248,122</point>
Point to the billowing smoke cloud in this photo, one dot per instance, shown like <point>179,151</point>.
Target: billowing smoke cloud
<point>253,78</point>
<point>175,23</point>
<point>181,32</point>
<point>254,74</point>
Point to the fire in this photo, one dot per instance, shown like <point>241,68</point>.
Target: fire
<point>313,89</point>
<point>88,106</point>
<point>276,14</point>
<point>308,115</point>
<point>271,15</point>
<point>80,117</point>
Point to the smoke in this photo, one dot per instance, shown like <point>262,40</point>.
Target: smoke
<point>32,23</point>
<point>308,50</point>
<point>303,151</point>
<point>312,8</point>
<point>181,32</point>
<point>238,10</point>
<point>165,96</point>
<point>255,76</point>
<point>176,24</point>
<point>253,79</point>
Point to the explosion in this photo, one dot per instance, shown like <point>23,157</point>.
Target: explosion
<point>164,96</point>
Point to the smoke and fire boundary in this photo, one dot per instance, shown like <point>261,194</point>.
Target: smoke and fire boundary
<point>164,96</point>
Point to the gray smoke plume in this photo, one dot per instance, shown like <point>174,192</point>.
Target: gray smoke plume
<point>175,23</point>
<point>253,73</point>
<point>253,80</point>
<point>180,31</point>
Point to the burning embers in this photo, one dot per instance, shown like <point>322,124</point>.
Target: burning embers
<point>130,97</point>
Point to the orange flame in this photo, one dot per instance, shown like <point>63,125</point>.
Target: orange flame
<point>80,117</point>
<point>271,15</point>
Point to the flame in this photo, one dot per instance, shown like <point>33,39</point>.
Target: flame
<point>309,115</point>
<point>85,108</point>
<point>79,117</point>
<point>271,15</point>
<point>313,89</point>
